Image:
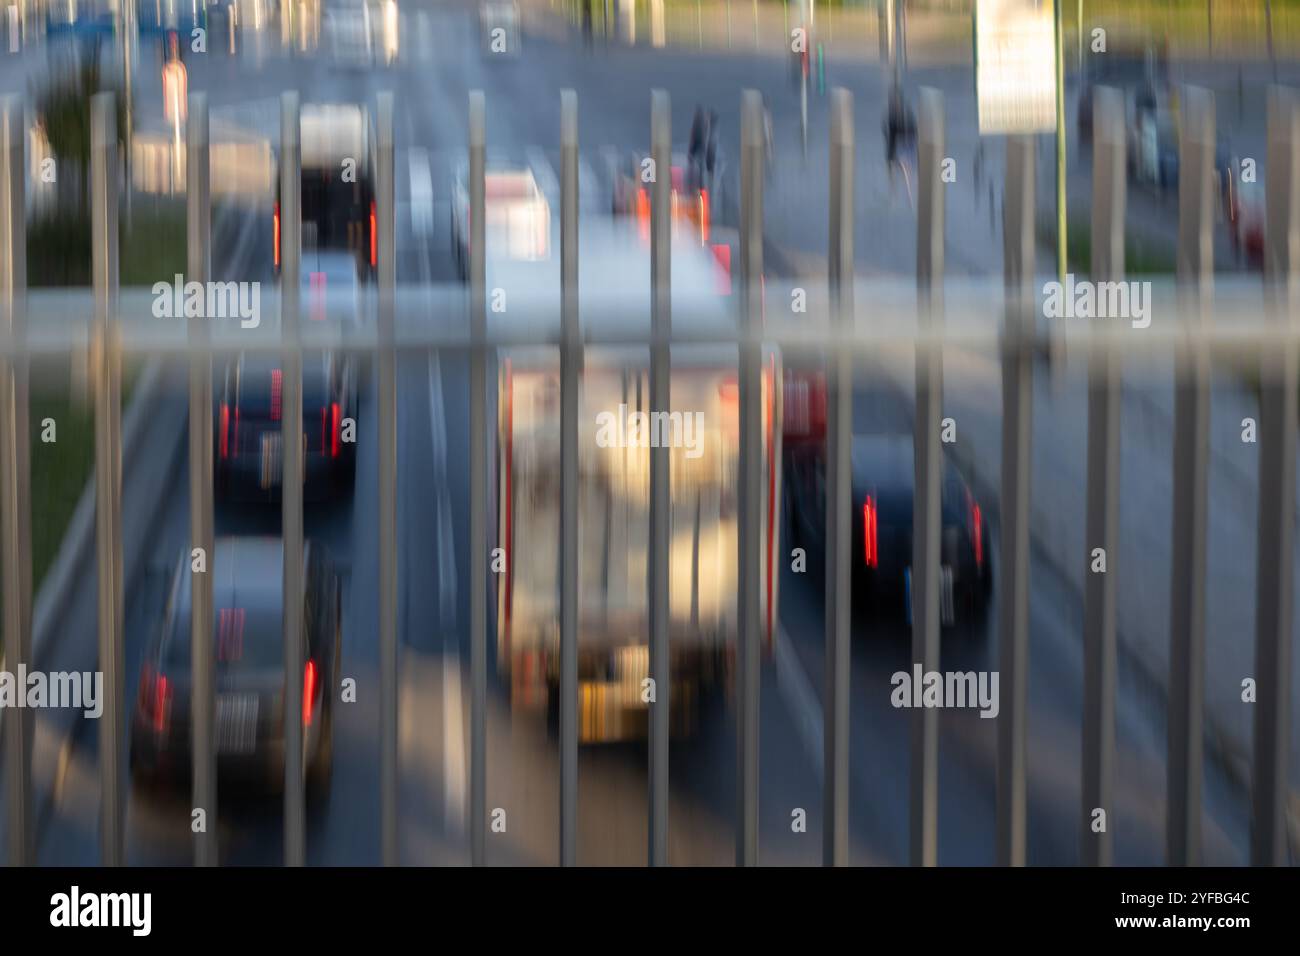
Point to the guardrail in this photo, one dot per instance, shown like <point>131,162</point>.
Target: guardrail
<point>860,322</point>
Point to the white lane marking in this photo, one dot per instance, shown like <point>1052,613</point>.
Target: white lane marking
<point>453,728</point>
<point>454,757</point>
<point>800,698</point>
<point>446,544</point>
<point>421,193</point>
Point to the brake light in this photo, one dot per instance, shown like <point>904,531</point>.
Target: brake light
<point>276,238</point>
<point>374,237</point>
<point>870,554</point>
<point>977,534</point>
<point>225,430</point>
<point>334,432</point>
<point>308,693</point>
<point>277,385</point>
<point>155,698</point>
<point>704,216</point>
<point>643,213</point>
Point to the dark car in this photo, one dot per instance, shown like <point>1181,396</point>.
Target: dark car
<point>881,550</point>
<point>247,430</point>
<point>248,646</point>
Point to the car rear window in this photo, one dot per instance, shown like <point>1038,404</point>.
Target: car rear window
<point>243,638</point>
<point>261,386</point>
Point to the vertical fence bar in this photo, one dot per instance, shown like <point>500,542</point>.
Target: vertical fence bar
<point>386,359</point>
<point>15,475</point>
<point>839,510</point>
<point>108,464</point>
<point>1277,451</point>
<point>477,477</point>
<point>291,479</point>
<point>660,476</point>
<point>570,364</point>
<point>1019,244</point>
<point>751,469</point>
<point>202,682</point>
<point>1102,522</point>
<point>929,470</point>
<point>1196,194</point>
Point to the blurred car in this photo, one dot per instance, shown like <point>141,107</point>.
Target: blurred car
<point>690,205</point>
<point>248,650</point>
<point>517,212</point>
<point>338,191</point>
<point>1153,153</point>
<point>247,430</point>
<point>883,492</point>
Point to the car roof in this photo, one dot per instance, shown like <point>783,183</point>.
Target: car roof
<point>887,462</point>
<point>247,571</point>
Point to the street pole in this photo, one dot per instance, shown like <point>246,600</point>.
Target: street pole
<point>1062,263</point>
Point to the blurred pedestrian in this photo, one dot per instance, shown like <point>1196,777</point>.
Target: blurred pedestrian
<point>696,146</point>
<point>711,149</point>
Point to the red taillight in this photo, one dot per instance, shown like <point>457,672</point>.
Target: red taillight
<point>334,432</point>
<point>277,385</point>
<point>869,531</point>
<point>155,698</point>
<point>276,237</point>
<point>374,237</point>
<point>977,534</point>
<point>643,213</point>
<point>224,437</point>
<point>308,693</point>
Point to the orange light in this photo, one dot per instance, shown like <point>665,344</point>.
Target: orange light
<point>869,553</point>
<point>308,693</point>
<point>225,430</point>
<point>704,216</point>
<point>643,213</point>
<point>162,698</point>
<point>277,387</point>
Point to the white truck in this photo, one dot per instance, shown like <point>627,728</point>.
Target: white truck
<point>701,428</point>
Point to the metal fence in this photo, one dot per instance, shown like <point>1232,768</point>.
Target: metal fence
<point>855,329</point>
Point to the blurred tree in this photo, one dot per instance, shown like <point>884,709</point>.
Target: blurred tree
<point>63,106</point>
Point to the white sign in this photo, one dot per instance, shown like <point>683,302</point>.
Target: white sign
<point>1015,66</point>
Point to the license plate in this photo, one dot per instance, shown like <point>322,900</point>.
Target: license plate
<point>236,723</point>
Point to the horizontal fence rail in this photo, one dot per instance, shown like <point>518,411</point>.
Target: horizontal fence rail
<point>1248,323</point>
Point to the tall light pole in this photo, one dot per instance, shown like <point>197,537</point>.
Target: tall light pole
<point>1062,239</point>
